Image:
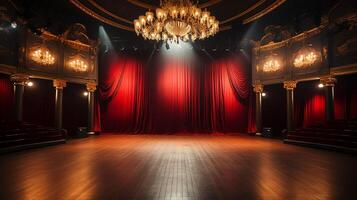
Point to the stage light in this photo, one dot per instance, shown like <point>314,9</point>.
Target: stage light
<point>85,94</point>
<point>264,94</point>
<point>172,50</point>
<point>320,85</point>
<point>29,83</point>
<point>13,25</point>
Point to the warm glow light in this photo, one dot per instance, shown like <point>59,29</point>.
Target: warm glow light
<point>78,65</point>
<point>30,83</point>
<point>306,57</point>
<point>264,94</point>
<point>271,64</point>
<point>320,85</point>
<point>85,94</point>
<point>42,56</point>
<point>176,20</point>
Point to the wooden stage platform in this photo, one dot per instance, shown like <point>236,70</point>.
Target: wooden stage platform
<point>177,167</point>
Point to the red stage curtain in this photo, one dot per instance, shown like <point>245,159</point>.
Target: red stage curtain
<point>314,110</point>
<point>174,96</point>
<point>226,92</point>
<point>122,94</point>
<point>6,97</point>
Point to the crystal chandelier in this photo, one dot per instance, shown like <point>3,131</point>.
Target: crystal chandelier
<point>42,56</point>
<point>306,57</point>
<point>271,64</point>
<point>78,65</point>
<point>176,20</point>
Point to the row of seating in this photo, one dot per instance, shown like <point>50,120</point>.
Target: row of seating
<point>19,135</point>
<point>338,135</point>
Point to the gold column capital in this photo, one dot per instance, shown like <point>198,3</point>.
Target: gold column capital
<point>290,85</point>
<point>258,87</point>
<point>19,79</point>
<point>328,81</point>
<point>59,84</point>
<point>91,87</point>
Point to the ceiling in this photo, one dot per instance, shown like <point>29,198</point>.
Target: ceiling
<point>121,14</point>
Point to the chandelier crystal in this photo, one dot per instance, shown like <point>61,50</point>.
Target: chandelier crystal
<point>176,20</point>
<point>42,56</point>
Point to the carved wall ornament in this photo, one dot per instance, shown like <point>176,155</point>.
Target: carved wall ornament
<point>290,85</point>
<point>91,87</point>
<point>258,88</point>
<point>60,84</point>
<point>19,79</point>
<point>328,81</point>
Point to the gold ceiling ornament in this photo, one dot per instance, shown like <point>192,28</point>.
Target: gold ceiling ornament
<point>78,64</point>
<point>176,20</point>
<point>272,63</point>
<point>43,56</point>
<point>306,57</point>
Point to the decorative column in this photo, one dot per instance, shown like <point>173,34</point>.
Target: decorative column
<point>19,81</point>
<point>91,87</point>
<point>59,85</point>
<point>258,89</point>
<point>290,86</point>
<point>329,84</point>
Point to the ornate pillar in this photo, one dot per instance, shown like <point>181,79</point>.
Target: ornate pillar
<point>59,85</point>
<point>258,89</point>
<point>91,87</point>
<point>329,83</point>
<point>19,81</point>
<point>290,86</point>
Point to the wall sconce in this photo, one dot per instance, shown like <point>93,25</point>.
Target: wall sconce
<point>78,64</point>
<point>306,57</point>
<point>42,56</point>
<point>271,64</point>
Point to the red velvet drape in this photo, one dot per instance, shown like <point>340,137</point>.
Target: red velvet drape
<point>174,96</point>
<point>6,97</point>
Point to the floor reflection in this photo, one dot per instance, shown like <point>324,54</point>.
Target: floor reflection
<point>177,167</point>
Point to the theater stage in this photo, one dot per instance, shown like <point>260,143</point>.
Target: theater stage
<point>177,167</point>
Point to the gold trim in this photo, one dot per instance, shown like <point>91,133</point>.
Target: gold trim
<point>152,7</point>
<point>290,85</point>
<point>328,81</point>
<point>91,86</point>
<point>19,79</point>
<point>59,84</point>
<point>258,88</point>
<point>109,13</point>
<point>267,10</point>
<point>142,4</point>
<point>296,38</point>
<point>244,12</point>
<point>99,17</point>
<point>209,3</point>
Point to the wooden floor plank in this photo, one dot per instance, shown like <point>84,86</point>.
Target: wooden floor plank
<point>177,167</point>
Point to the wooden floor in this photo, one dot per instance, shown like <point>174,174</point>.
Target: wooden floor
<point>177,167</point>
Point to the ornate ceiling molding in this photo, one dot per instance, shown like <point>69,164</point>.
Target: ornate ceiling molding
<point>116,21</point>
<point>109,13</point>
<point>152,7</point>
<point>99,17</point>
<point>239,15</point>
<point>267,10</point>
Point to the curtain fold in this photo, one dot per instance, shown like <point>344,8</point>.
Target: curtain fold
<point>175,95</point>
<point>6,97</point>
